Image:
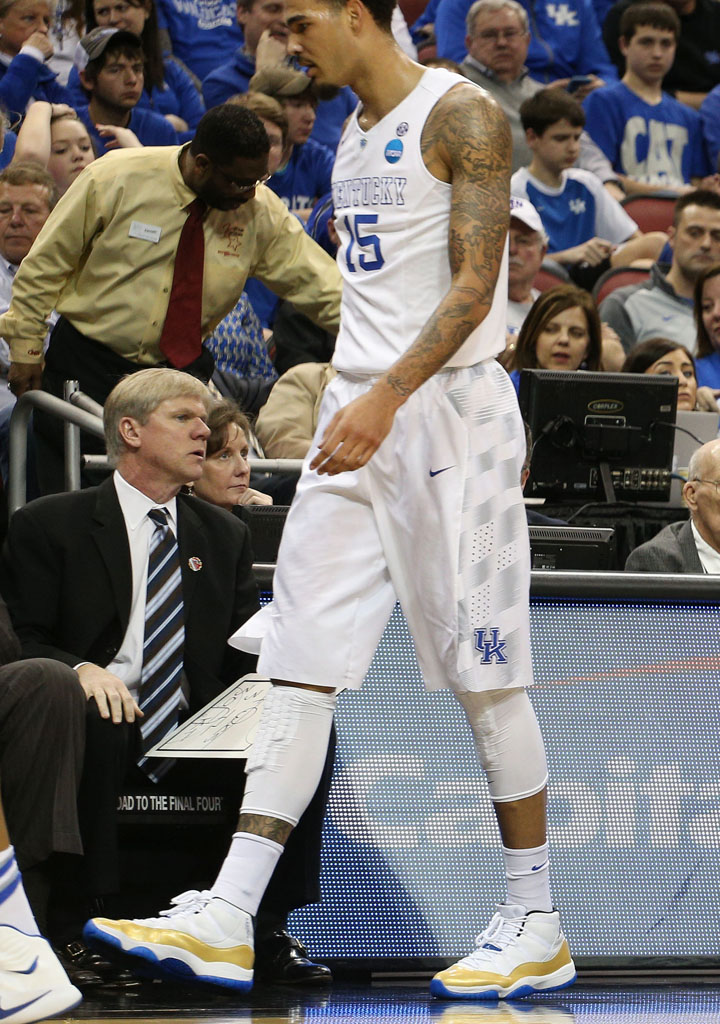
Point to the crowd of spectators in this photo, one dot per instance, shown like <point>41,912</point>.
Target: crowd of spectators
<point>592,122</point>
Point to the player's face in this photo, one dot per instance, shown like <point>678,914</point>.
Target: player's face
<point>226,473</point>
<point>319,39</point>
<point>677,364</point>
<point>526,254</point>
<point>120,82</point>
<point>563,342</point>
<point>650,53</point>
<point>711,309</point>
<point>229,186</point>
<point>70,151</point>
<point>20,21</point>
<point>559,145</point>
<point>23,211</point>
<point>262,15</point>
<point>500,42</point>
<point>301,119</point>
<point>172,441</point>
<point>696,240</point>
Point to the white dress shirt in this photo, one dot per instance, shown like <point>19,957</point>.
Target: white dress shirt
<point>709,557</point>
<point>127,663</point>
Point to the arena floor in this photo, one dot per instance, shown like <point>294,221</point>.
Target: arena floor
<point>588,1002</point>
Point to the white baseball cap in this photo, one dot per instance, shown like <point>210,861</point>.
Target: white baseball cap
<point>523,210</point>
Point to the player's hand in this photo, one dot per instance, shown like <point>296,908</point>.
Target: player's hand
<point>24,377</point>
<point>111,695</point>
<point>355,433</point>
<point>41,42</point>
<point>116,137</point>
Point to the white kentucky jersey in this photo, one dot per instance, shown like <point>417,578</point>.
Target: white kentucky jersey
<point>393,219</point>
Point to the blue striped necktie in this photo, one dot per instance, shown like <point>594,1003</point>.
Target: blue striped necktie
<point>160,689</point>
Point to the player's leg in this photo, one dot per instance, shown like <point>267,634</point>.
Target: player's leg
<point>33,984</point>
<point>332,600</point>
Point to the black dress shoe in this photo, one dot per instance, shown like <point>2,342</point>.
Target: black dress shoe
<point>282,959</point>
<point>78,960</point>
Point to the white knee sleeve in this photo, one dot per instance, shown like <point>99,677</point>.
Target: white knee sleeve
<point>508,742</point>
<point>288,755</point>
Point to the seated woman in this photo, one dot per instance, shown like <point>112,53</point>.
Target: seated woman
<point>226,473</point>
<point>664,357</point>
<point>707,320</point>
<point>561,332</point>
<point>24,48</point>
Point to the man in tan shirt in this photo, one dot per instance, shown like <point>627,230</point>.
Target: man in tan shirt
<point>106,256</point>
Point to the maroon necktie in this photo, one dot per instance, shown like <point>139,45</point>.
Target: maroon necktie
<point>181,338</point>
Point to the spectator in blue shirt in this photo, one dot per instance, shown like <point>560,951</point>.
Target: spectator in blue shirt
<point>24,48</point>
<point>202,33</point>
<point>710,117</point>
<point>111,67</point>
<point>233,76</point>
<point>565,39</point>
<point>169,88</point>
<point>653,141</point>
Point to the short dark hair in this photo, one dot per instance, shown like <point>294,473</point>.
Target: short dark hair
<point>222,416</point>
<point>650,15</point>
<point>705,346</point>
<point>546,306</point>
<point>29,172</point>
<point>123,46</point>
<point>381,11</point>
<point>150,37</point>
<point>547,107</point>
<point>230,131</point>
<point>641,357</point>
<point>699,197</point>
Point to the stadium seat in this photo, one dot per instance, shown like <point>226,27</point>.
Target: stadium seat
<point>651,211</point>
<point>550,275</point>
<point>617,277</point>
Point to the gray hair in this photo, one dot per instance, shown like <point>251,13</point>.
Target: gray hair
<point>490,6</point>
<point>139,394</point>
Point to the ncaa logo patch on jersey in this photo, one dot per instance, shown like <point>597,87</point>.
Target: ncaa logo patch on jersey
<point>393,151</point>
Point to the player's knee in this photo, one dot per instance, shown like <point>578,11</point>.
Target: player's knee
<point>508,742</point>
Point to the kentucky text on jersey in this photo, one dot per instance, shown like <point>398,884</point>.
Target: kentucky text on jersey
<point>369,191</point>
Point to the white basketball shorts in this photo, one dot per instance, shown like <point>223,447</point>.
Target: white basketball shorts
<point>435,520</point>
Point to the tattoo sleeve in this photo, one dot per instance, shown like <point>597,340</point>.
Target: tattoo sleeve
<point>466,138</point>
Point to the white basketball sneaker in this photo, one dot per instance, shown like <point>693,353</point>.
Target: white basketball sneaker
<point>33,984</point>
<point>518,954</point>
<point>200,938</point>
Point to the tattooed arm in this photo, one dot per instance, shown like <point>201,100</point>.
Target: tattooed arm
<point>466,141</point>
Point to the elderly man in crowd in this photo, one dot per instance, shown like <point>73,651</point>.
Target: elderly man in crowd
<point>692,546</point>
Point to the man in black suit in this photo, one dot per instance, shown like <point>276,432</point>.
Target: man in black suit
<point>694,546</point>
<point>75,578</point>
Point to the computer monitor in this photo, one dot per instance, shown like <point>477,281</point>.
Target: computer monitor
<point>572,547</point>
<point>599,436</point>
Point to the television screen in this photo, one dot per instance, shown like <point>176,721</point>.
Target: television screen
<point>599,435</point>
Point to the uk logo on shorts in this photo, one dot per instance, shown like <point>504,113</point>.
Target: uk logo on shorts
<point>492,649</point>
<point>393,151</point>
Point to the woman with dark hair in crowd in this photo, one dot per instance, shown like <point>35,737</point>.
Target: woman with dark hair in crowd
<point>169,88</point>
<point>707,321</point>
<point>664,357</point>
<point>561,332</point>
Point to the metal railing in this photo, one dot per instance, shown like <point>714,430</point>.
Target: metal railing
<point>79,412</point>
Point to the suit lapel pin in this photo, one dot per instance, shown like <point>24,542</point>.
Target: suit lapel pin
<point>195,563</point>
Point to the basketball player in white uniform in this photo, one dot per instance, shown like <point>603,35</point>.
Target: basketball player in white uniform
<point>411,492</point>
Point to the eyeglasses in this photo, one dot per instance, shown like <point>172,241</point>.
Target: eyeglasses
<point>715,483</point>
<point>492,35</point>
<point>243,189</point>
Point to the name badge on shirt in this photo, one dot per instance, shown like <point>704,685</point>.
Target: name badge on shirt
<point>146,232</point>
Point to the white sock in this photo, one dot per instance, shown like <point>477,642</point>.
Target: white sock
<point>246,871</point>
<point>528,877</point>
<point>14,907</point>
